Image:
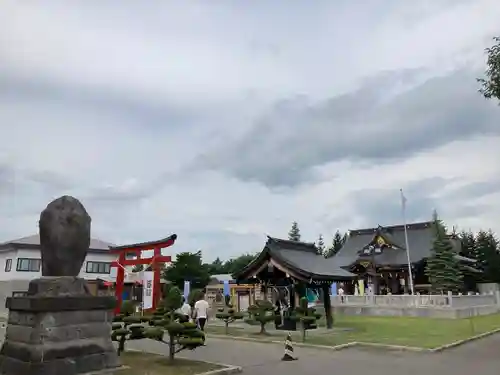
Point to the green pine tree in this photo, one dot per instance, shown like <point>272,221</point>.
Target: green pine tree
<point>469,249</point>
<point>320,245</point>
<point>442,268</point>
<point>488,257</point>
<point>294,233</point>
<point>468,244</point>
<point>337,243</point>
<point>228,315</point>
<point>306,316</point>
<point>261,313</point>
<point>165,321</point>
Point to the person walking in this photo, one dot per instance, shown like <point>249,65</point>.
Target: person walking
<point>185,311</point>
<point>340,292</point>
<point>201,308</point>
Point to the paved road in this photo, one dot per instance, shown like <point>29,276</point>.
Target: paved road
<point>481,357</point>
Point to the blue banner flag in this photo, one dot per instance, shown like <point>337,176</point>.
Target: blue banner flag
<point>334,289</point>
<point>226,287</point>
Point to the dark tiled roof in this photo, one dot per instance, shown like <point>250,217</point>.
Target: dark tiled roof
<point>420,239</point>
<point>299,257</point>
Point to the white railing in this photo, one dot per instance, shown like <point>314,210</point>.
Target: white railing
<point>475,300</point>
<point>423,300</point>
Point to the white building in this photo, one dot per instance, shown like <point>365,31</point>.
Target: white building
<point>21,259</point>
<point>20,262</point>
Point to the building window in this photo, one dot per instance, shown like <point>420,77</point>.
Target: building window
<point>19,294</point>
<point>28,265</point>
<point>8,265</point>
<point>98,267</point>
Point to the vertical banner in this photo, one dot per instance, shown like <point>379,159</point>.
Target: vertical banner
<point>361,286</point>
<point>226,287</point>
<point>233,296</point>
<point>187,289</point>
<point>147,290</point>
<point>334,289</point>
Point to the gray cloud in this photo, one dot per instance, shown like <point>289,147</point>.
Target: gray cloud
<point>383,206</point>
<point>115,110</point>
<point>125,106</point>
<point>7,179</point>
<point>13,180</point>
<point>363,126</point>
<point>39,186</point>
<point>477,189</point>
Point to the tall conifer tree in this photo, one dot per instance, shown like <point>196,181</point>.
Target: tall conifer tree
<point>320,245</point>
<point>294,234</point>
<point>442,267</point>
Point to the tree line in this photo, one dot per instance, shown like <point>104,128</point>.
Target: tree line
<point>484,248</point>
<point>336,244</point>
<point>447,272</point>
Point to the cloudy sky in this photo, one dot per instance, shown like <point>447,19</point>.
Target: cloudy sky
<point>224,121</point>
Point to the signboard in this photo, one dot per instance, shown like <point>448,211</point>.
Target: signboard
<point>147,290</point>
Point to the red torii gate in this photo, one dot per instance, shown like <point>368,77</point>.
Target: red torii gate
<point>137,250</point>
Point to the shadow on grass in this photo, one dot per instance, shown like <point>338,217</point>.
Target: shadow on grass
<point>140,363</point>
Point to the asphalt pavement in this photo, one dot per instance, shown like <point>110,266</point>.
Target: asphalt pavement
<point>480,357</point>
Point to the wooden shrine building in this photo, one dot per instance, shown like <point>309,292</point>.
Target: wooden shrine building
<point>290,268</point>
<point>379,257</point>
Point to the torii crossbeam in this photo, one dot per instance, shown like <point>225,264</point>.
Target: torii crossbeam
<point>155,261</point>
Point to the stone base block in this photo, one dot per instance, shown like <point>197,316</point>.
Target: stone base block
<point>44,339</point>
<point>58,286</point>
<point>60,366</point>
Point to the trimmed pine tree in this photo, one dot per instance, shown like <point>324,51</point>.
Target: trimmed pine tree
<point>442,267</point>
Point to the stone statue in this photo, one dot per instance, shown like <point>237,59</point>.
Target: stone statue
<point>64,237</point>
<point>59,327</point>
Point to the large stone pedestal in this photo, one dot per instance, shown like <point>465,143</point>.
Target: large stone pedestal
<point>58,329</point>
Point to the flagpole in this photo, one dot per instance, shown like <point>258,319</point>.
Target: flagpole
<point>403,209</point>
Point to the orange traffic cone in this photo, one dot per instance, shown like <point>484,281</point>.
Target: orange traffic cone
<point>288,356</point>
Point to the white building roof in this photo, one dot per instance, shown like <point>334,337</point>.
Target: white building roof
<point>95,244</point>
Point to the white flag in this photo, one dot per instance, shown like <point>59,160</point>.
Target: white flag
<point>147,290</point>
<point>403,199</point>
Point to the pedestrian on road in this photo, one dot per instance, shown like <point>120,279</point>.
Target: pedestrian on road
<point>201,308</point>
<point>341,294</point>
<point>185,311</point>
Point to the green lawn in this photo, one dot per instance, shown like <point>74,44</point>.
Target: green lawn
<point>139,363</point>
<point>416,332</point>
